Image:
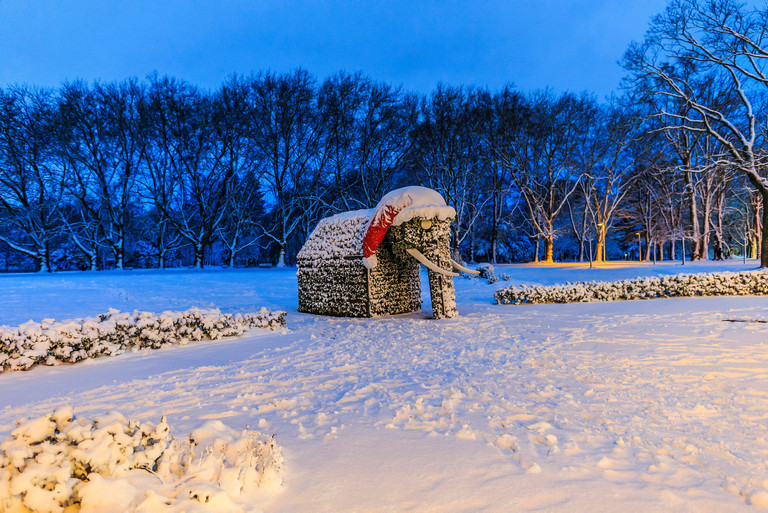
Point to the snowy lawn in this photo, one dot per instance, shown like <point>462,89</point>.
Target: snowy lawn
<point>657,405</point>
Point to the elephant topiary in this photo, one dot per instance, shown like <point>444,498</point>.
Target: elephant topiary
<point>365,263</point>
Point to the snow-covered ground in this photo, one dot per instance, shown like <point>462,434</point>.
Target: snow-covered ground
<point>657,405</point>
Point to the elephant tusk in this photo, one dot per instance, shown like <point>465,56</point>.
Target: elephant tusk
<point>429,264</point>
<point>460,267</point>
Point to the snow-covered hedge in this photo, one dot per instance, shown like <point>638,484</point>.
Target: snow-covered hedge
<point>708,284</point>
<point>50,342</point>
<point>60,462</point>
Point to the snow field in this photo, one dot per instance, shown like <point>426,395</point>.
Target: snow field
<point>50,342</point>
<point>633,405</point>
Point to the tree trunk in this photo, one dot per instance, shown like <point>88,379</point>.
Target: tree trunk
<point>759,227</point>
<point>549,250</point>
<point>600,252</point>
<point>495,227</point>
<point>705,234</point>
<point>199,254</point>
<point>119,256</point>
<point>93,260</point>
<point>763,230</point>
<point>42,262</point>
<point>694,213</point>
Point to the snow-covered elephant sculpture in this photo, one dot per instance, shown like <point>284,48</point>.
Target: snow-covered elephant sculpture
<point>365,263</point>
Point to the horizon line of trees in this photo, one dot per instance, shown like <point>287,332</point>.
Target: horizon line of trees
<point>159,173</point>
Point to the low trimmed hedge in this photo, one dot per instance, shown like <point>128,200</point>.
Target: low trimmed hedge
<point>745,283</point>
<point>52,342</point>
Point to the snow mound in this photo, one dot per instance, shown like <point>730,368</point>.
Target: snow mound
<point>60,462</point>
<point>50,342</point>
<point>746,283</point>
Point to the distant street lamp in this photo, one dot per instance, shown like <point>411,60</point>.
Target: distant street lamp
<point>639,248</point>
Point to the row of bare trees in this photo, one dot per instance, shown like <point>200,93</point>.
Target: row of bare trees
<point>701,75</point>
<point>157,172</point>
<point>158,167</point>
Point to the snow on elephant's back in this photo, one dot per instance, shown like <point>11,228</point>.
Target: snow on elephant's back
<point>337,236</point>
<point>365,263</point>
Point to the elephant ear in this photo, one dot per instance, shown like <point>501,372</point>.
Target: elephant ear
<point>380,223</point>
<point>397,207</point>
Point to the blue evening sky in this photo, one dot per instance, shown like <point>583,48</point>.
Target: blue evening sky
<point>564,44</point>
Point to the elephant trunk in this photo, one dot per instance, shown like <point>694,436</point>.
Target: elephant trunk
<point>441,284</point>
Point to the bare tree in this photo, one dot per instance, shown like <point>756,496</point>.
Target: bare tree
<point>239,230</point>
<point>446,152</point>
<point>543,161</point>
<point>102,147</point>
<point>384,140</point>
<point>195,149</point>
<point>609,156</point>
<point>340,101</point>
<point>502,123</point>
<point>164,111</point>
<point>724,42</point>
<point>283,126</point>
<point>32,185</point>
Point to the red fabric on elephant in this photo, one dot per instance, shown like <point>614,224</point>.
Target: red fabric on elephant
<point>380,223</point>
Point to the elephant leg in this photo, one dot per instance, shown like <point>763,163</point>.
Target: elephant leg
<point>441,291</point>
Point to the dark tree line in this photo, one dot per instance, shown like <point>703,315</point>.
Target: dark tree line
<point>159,173</point>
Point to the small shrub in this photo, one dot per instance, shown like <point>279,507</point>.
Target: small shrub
<point>487,272</point>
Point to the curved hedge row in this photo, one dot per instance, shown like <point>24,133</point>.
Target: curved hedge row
<point>52,342</point>
<point>745,283</point>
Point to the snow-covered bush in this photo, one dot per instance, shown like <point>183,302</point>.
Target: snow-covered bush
<point>60,462</point>
<point>50,342</point>
<point>487,272</point>
<point>705,284</point>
